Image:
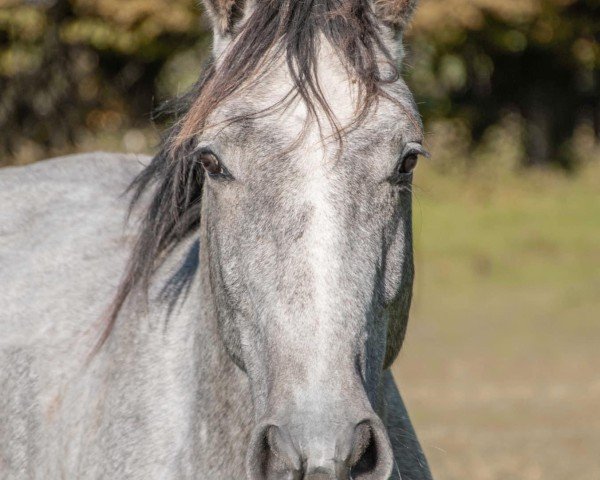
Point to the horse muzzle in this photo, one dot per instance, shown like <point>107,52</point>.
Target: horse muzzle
<point>318,449</point>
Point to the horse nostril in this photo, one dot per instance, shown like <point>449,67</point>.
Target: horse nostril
<point>360,442</point>
<point>281,446</point>
<point>371,457</point>
<point>271,453</point>
<point>362,452</point>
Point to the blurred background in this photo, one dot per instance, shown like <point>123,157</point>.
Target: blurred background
<point>501,368</point>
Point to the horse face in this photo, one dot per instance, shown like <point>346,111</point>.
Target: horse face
<point>310,257</point>
<point>307,227</point>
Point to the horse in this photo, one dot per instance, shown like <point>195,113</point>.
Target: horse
<point>229,308</point>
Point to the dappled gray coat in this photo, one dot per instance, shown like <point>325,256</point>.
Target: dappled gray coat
<point>243,323</point>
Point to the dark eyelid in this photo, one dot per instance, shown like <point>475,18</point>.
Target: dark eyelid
<point>203,150</point>
<point>411,148</point>
<point>225,175</point>
<point>414,148</point>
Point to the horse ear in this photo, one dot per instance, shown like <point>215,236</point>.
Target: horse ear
<point>396,13</point>
<point>225,14</point>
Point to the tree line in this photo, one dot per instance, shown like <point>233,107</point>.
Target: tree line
<point>73,66</point>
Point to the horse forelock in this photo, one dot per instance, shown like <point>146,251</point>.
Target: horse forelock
<point>292,30</point>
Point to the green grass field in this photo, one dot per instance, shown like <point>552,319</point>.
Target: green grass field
<point>501,365</point>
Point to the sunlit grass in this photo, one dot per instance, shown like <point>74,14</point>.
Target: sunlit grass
<point>501,367</point>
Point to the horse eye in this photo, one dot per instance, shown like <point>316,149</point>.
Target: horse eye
<point>211,163</point>
<point>409,162</point>
<point>410,158</point>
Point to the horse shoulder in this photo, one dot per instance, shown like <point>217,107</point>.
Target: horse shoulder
<point>63,242</point>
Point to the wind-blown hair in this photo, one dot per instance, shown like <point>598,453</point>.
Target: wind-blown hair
<point>275,28</point>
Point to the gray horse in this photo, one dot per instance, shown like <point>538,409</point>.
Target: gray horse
<point>243,322</point>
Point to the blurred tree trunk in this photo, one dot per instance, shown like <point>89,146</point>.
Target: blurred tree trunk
<point>595,102</point>
<point>538,130</point>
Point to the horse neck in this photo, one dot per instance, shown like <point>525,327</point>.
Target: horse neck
<point>217,373</point>
<point>184,344</point>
